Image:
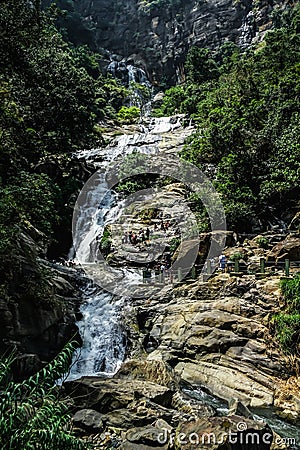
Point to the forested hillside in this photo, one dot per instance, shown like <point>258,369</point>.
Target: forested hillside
<point>246,107</point>
<point>52,96</point>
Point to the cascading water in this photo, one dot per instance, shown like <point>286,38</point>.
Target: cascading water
<point>104,341</point>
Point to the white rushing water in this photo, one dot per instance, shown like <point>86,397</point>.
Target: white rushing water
<point>104,341</point>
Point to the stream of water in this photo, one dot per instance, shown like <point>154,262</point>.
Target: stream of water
<point>104,341</point>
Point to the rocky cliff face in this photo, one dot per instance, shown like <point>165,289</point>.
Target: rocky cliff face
<point>38,309</point>
<point>157,35</point>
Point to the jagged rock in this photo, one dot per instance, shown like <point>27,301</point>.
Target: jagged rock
<point>107,395</point>
<point>237,408</point>
<point>88,419</point>
<point>138,413</point>
<point>289,248</point>
<point>38,313</point>
<point>143,30</point>
<point>156,371</point>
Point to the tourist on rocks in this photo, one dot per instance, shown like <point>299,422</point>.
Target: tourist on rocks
<point>162,226</point>
<point>130,235</point>
<point>222,262</point>
<point>147,234</point>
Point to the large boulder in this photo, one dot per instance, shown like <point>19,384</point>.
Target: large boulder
<point>156,371</point>
<point>229,382</point>
<point>289,248</point>
<point>149,437</point>
<point>88,419</point>
<point>105,395</point>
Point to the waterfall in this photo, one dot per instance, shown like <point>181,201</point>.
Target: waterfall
<point>133,78</point>
<point>104,341</point>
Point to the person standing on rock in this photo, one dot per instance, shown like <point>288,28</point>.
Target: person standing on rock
<point>222,262</point>
<point>147,234</point>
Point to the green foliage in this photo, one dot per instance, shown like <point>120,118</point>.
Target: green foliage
<point>148,214</point>
<point>129,114</point>
<point>105,243</point>
<point>32,416</point>
<point>174,244</point>
<point>237,256</point>
<point>200,66</point>
<point>51,96</point>
<point>287,328</point>
<point>291,292</point>
<point>287,324</point>
<point>133,171</point>
<point>71,24</point>
<point>262,242</point>
<point>173,102</point>
<point>246,108</point>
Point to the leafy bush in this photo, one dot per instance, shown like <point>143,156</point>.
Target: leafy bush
<point>291,292</point>
<point>287,328</point>
<point>237,256</point>
<point>148,214</point>
<point>262,242</point>
<point>129,114</point>
<point>287,324</point>
<point>105,243</point>
<point>32,416</point>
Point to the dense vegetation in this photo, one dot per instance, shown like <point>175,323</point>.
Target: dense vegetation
<point>287,323</point>
<point>32,414</point>
<point>246,108</point>
<point>52,95</point>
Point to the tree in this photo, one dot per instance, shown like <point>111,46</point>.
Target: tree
<point>200,66</point>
